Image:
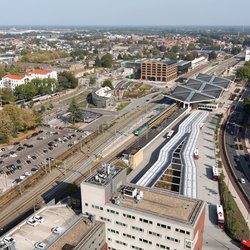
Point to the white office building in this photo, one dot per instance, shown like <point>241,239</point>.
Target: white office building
<point>141,218</point>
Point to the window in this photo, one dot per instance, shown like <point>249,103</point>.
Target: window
<point>155,234</point>
<point>146,221</point>
<point>97,207</point>
<point>121,243</point>
<point>162,246</point>
<point>86,204</point>
<point>137,228</point>
<point>163,226</point>
<point>121,224</point>
<point>105,219</point>
<point>112,211</point>
<point>113,231</point>
<point>137,248</point>
<point>129,216</point>
<point>129,236</point>
<point>145,241</point>
<point>172,239</point>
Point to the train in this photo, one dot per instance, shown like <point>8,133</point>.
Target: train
<point>155,120</point>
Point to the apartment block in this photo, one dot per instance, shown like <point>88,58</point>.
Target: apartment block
<point>141,218</point>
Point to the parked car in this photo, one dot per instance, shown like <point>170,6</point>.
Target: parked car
<point>9,240</point>
<point>27,174</point>
<point>38,218</point>
<point>40,245</point>
<point>32,222</point>
<point>57,230</point>
<point>33,157</point>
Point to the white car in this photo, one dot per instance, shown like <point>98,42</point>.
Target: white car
<point>57,230</point>
<point>38,218</point>
<point>32,222</point>
<point>22,177</point>
<point>40,245</point>
<point>27,174</point>
<point>242,180</point>
<point>9,240</point>
<point>13,155</point>
<point>28,156</point>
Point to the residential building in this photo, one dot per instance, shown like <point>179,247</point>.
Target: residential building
<point>41,74</point>
<point>12,81</point>
<point>142,218</point>
<point>159,70</point>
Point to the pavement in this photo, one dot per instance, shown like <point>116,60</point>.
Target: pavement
<point>208,189</point>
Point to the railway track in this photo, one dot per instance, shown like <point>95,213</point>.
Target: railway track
<point>77,170</point>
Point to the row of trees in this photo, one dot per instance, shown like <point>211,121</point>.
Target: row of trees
<point>43,56</point>
<point>11,69</point>
<point>244,72</point>
<point>14,120</point>
<point>66,80</point>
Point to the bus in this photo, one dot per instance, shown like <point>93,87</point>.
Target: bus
<point>245,245</point>
<point>215,173</point>
<point>170,133</point>
<point>196,154</point>
<point>220,216</point>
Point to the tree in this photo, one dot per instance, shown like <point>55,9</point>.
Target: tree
<point>212,55</point>
<point>107,83</point>
<point>191,46</point>
<point>170,55</point>
<point>175,49</point>
<point>7,96</point>
<point>243,73</point>
<point>25,91</point>
<point>98,62</point>
<point>188,57</point>
<point>66,80</point>
<point>236,50</point>
<point>76,114</point>
<point>92,80</point>
<point>6,127</point>
<point>247,102</point>
<point>162,48</point>
<point>107,60</point>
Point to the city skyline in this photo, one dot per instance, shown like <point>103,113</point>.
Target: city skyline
<point>139,13</point>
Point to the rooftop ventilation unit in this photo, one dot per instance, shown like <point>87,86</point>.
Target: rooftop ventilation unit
<point>129,191</point>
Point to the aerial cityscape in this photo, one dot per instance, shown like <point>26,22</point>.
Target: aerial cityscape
<point>125,125</point>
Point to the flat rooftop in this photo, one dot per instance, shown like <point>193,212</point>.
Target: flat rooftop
<point>161,203</point>
<point>26,235</point>
<point>103,175</point>
<point>73,237</point>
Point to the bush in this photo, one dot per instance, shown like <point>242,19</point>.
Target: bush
<point>235,224</point>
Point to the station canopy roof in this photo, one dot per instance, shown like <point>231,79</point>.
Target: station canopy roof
<point>203,88</point>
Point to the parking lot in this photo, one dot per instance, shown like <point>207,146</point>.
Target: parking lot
<point>55,221</point>
<point>19,161</point>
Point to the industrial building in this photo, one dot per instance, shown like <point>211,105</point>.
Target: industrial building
<point>142,218</point>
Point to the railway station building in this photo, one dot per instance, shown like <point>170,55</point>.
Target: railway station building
<point>136,217</point>
<point>202,92</point>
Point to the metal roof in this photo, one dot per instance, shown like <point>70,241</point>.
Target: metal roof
<point>205,88</point>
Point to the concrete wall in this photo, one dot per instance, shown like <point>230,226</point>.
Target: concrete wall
<point>136,159</point>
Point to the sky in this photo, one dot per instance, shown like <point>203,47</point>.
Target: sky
<point>125,12</point>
